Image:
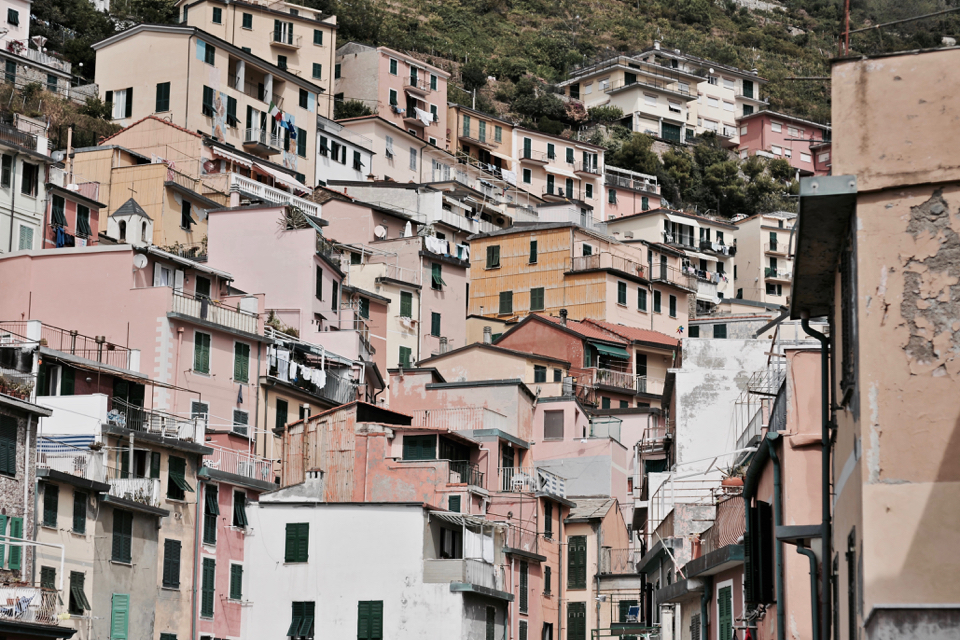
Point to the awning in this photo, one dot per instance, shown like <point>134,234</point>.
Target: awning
<point>681,220</point>
<point>226,155</point>
<point>279,176</point>
<point>700,256</point>
<point>502,156</point>
<point>560,172</point>
<point>464,519</point>
<point>64,443</point>
<point>612,351</point>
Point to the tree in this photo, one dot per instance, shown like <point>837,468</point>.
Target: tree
<point>605,114</point>
<point>549,125</point>
<point>350,109</point>
<point>781,171</point>
<point>636,154</point>
<point>473,74</point>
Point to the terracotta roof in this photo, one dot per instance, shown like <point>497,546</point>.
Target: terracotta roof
<point>636,334</point>
<point>151,117</point>
<point>492,347</point>
<point>590,508</point>
<point>587,331</point>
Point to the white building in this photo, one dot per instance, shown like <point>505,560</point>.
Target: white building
<point>370,570</point>
<point>341,153</point>
<point>23,178</point>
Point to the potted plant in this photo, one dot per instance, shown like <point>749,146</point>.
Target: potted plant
<point>733,476</point>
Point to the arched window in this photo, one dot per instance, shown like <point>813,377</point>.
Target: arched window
<point>123,231</point>
<point>143,233</point>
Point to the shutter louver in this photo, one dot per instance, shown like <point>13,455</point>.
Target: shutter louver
<point>119,616</point>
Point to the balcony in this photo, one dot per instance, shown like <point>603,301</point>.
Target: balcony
<point>143,490</point>
<point>615,561</point>
<point>572,213</point>
<point>135,418</point>
<point>613,379</point>
<point>775,248</point>
<point>31,603</point>
<point>285,40</point>
<point>482,141</point>
<point>417,86</point>
<point>463,571</point>
<point>534,157</point>
<point>15,136</point>
<point>654,440</point>
<point>262,141</point>
<point>460,419</point>
<point>396,273</point>
<point>463,223</point>
<point>674,276</point>
<point>586,168</point>
<point>75,462</point>
<point>649,385</point>
<point>778,275</point>
<point>337,389</point>
<point>239,463</point>
<point>718,248</point>
<point>608,261</point>
<point>74,343</point>
<point>532,479</point>
<point>663,85</point>
<point>462,472</point>
<point>605,427</point>
<point>265,192</point>
<point>644,183</point>
<point>215,313</point>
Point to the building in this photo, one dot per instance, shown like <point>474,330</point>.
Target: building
<point>291,36</point>
<point>551,266</point>
<point>874,253</point>
<point>558,169</point>
<point>669,94</point>
<point>188,91</point>
<point>341,153</point>
<point>72,217</point>
<point>23,193</point>
<point>764,268</point>
<point>404,91</point>
<point>773,135</point>
<point>628,192</point>
<point>479,137</point>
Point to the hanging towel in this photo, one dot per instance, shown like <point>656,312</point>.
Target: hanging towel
<point>293,371</point>
<point>424,116</point>
<point>320,379</point>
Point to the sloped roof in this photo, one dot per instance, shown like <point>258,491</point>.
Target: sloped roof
<point>637,334</point>
<point>583,328</point>
<point>590,508</point>
<point>150,117</point>
<point>492,347</point>
<point>130,208</point>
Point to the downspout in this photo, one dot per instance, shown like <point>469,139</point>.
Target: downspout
<point>560,588</point>
<point>778,521</point>
<point>813,590</point>
<point>704,605</point>
<point>826,554</point>
<point>596,576</point>
<point>26,495</point>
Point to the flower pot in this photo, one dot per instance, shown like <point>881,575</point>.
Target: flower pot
<point>732,481</point>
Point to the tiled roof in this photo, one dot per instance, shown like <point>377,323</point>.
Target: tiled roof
<point>589,508</point>
<point>130,207</point>
<point>151,117</point>
<point>584,329</point>
<point>636,334</point>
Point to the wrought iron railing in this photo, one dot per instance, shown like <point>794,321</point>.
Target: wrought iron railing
<point>239,463</point>
<point>76,462</point>
<point>518,479</point>
<point>74,343</point>
<point>264,137</point>
<point>123,484</point>
<point>460,418</point>
<point>672,275</point>
<point>30,603</point>
<point>215,312</point>
<point>462,472</point>
<point>136,418</point>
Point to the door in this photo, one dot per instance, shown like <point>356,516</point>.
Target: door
<point>624,606</point>
<point>577,621</point>
<point>642,372</point>
<point>550,180</point>
<point>629,78</point>
<point>663,267</point>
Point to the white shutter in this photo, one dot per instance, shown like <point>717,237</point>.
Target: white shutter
<point>178,281</point>
<point>157,278</point>
<point>26,238</point>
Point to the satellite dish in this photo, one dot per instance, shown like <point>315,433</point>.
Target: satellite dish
<point>711,70</point>
<point>139,261</point>
<point>380,231</point>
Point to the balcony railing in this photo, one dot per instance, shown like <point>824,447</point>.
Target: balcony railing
<point>74,343</point>
<point>402,274</point>
<point>586,167</point>
<point>672,275</point>
<point>611,378</point>
<point>476,572</point>
<point>647,82</point>
<point>673,492</point>
<point>648,184</point>
<point>43,58</point>
<point>17,137</point>
<point>239,463</point>
<point>517,479</point>
<point>601,427</point>
<point>76,462</point>
<point>718,247</point>
<point>143,490</point>
<point>463,223</point>
<point>286,39</point>
<point>30,603</point>
<point>652,440</point>
<point>534,156</point>
<point>614,561</point>
<point>777,274</point>
<point>214,312</point>
<point>460,418</point>
<point>272,194</point>
<point>263,138</point>
<point>775,247</point>
<point>646,384</point>
<point>462,472</point>
<point>136,418</point>
<point>417,85</point>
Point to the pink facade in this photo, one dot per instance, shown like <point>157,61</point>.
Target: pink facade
<point>777,135</point>
<point>396,83</point>
<point>70,219</point>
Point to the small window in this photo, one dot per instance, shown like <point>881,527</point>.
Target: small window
<point>177,485</point>
<point>171,564</point>
<point>536,299</point>
<point>435,324</point>
<point>436,279</point>
<point>719,331</point>
<point>282,62</point>
<point>78,598</point>
<point>13,17</point>
<point>217,15</point>
<point>527,176</point>
<point>506,302</point>
<point>163,97</point>
<point>317,70</point>
<point>30,179</point>
<point>641,299</point>
<point>336,71</point>
<point>493,256</point>
<point>695,331</point>
<point>533,252</point>
<point>406,354</point>
<point>79,512</point>
<point>51,504</point>
<point>553,425</point>
<point>558,375</point>
<point>211,512</point>
<point>318,37</point>
<point>612,196</point>
<point>406,304</point>
<point>587,250</point>
<point>370,620</point>
<point>776,126</point>
<point>302,622</point>
<point>240,509</point>
<point>236,581</point>
<point>453,504</point>
<point>539,373</point>
<point>622,293</point>
<point>393,67</point>
<point>209,56</point>
<point>208,587</point>
<point>297,545</point>
<point>122,536</point>
<point>673,306</point>
<point>248,21</point>
<point>656,301</point>
<point>201,352</point>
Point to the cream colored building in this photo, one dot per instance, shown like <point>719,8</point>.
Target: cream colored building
<point>202,83</point>
<point>479,137</point>
<point>559,169</point>
<point>291,36</point>
<point>764,259</point>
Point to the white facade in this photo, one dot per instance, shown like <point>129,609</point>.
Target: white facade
<point>15,17</point>
<point>357,553</point>
<point>341,153</point>
<point>22,200</point>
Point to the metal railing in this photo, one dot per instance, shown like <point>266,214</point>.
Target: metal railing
<point>672,275</point>
<point>612,378</point>
<point>418,85</point>
<point>673,492</point>
<point>403,274</point>
<point>648,82</point>
<point>534,156</point>
<point>17,137</point>
<point>255,90</point>
<point>264,137</point>
<point>652,440</point>
<point>601,427</point>
<point>129,487</point>
<point>30,603</point>
<point>646,384</point>
<point>135,418</point>
<point>606,260</point>
<point>648,183</point>
<point>518,479</point>
<point>777,274</point>
<point>460,418</point>
<point>718,247</point>
<point>82,464</point>
<point>586,167</point>
<point>287,39</point>
<point>613,561</point>
<point>272,194</point>
<point>215,312</point>
<point>239,463</point>
<point>775,247</point>
<point>754,429</point>
<point>74,343</point>
<point>462,472</point>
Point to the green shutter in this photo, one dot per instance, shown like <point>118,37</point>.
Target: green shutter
<point>241,362</point>
<point>281,418</point>
<point>171,563</point>
<point>48,578</point>
<point>3,533</point>
<point>201,352</point>
<point>297,542</point>
<point>78,598</point>
<point>296,619</point>
<point>453,504</point>
<point>622,293</point>
<point>306,627</point>
<point>536,299</point>
<point>51,504</point>
<point>122,535</point>
<point>577,562</point>
<point>236,582</point>
<point>155,464</point>
<point>524,575</point>
<point>437,277</point>
<point>523,630</point>
<point>533,251</point>
<point>239,509</point>
<point>177,472</point>
<point>8,445</point>
<point>725,606</point>
<point>67,381</point>
<point>420,447</point>
<point>493,256</point>
<point>207,587</point>
<point>506,302</point>
<point>576,621</point>
<point>16,553</point>
<point>405,353</point>
<point>406,304</point>
<point>119,616</point>
<point>79,512</point>
<point>491,627</point>
<point>435,324</point>
<point>168,636</point>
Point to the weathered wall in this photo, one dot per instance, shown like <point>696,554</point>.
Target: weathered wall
<point>17,493</point>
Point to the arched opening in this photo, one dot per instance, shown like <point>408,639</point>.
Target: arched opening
<point>123,231</point>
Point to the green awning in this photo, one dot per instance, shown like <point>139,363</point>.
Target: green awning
<point>613,352</point>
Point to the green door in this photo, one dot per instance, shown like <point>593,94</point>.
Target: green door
<point>725,606</point>
<point>670,132</point>
<point>577,621</point>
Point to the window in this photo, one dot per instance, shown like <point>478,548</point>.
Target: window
<point>217,15</point>
<point>241,362</point>
<point>236,581</point>
<point>171,564</point>
<point>83,221</point>
<point>119,614</point>
<point>420,447</point>
<point>48,578</point>
<point>282,62</point>
<point>6,169</point>
<point>712,102</point>
<point>122,535</point>
<point>576,621</point>
<point>622,293</point>
<point>848,316</point>
<point>493,256</point>
<point>10,72</point>
<point>79,512</point>
<point>725,613</point>
<point>491,626</point>
<point>436,276</point>
<point>304,98</point>
<point>297,542</point>
<point>539,373</point>
<point>533,252</point>
<point>553,425</point>
<point>365,308</point>
<point>719,331</point>
<point>318,37</point>
<point>641,299</point>
<point>506,302</point>
<point>336,71</point>
<point>587,250</point>
<point>482,131</point>
<point>13,17</point>
<point>673,306</point>
<point>186,219</point>
<point>209,56</point>
<point>393,67</point>
<point>435,324</point>
<point>302,620</point>
<point>240,508</point>
<point>558,375</point>
<point>577,562</point>
<point>612,196</point>
<point>197,410</point>
<point>527,175</point>
<point>335,297</point>
<point>604,403</point>
<point>207,587</point>
<point>776,126</point>
<point>248,21</point>
<point>804,157</point>
<point>51,503</point>
<point>406,304</point>
<point>453,504</point>
<point>656,301</point>
<point>413,159</point>
<point>201,352</point>
<point>588,189</point>
<point>240,421</point>
<point>524,580</point>
<point>206,105</point>
<point>547,526</point>
<point>788,152</point>
<point>30,179</point>
<point>536,299</point>
<point>211,510</point>
<point>694,331</point>
<point>177,485</point>
<point>78,598</point>
<point>370,620</point>
<point>551,151</point>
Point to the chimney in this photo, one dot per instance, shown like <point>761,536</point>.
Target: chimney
<point>563,317</point>
<point>443,345</point>
<point>487,335</point>
<point>656,45</point>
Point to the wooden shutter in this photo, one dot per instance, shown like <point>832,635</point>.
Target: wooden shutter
<point>241,362</point>
<point>576,621</point>
<point>303,542</point>
<point>406,304</point>
<point>363,620</point>
<point>8,445</point>
<point>3,533</point>
<point>171,563</point>
<point>453,504</point>
<point>51,504</point>
<point>236,581</point>
<point>119,616</point>
<point>524,578</point>
<point>79,512</point>
<point>577,562</point>
<point>239,509</point>
<point>16,553</point>
<point>491,624</point>
<point>306,627</point>
<point>506,302</point>
<point>297,542</point>
<point>523,630</point>
<point>155,464</point>
<point>122,530</point>
<point>547,579</point>
<point>548,519</point>
<point>533,251</point>
<point>435,324</point>
<point>207,588</point>
<point>48,578</point>
<point>296,619</point>
<point>725,606</point>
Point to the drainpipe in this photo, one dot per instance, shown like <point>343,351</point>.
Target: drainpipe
<point>825,532</point>
<point>704,604</point>
<point>778,521</point>
<point>813,590</point>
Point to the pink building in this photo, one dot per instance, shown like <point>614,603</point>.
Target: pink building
<point>72,218</point>
<point>628,192</point>
<point>776,135</point>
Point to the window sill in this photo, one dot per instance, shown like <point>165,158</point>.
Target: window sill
<point>169,588</point>
<point>642,311</point>
<point>51,527</point>
<point>212,545</point>
<point>622,304</point>
<point>79,533</point>
<point>177,500</point>
<point>122,563</point>
<point>491,268</point>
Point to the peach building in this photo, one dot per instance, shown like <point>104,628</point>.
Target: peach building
<point>876,255</point>
<point>764,258</point>
<point>628,192</point>
<point>401,89</point>
<point>207,84</point>
<point>291,36</point>
<point>478,137</point>
<point>773,135</point>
